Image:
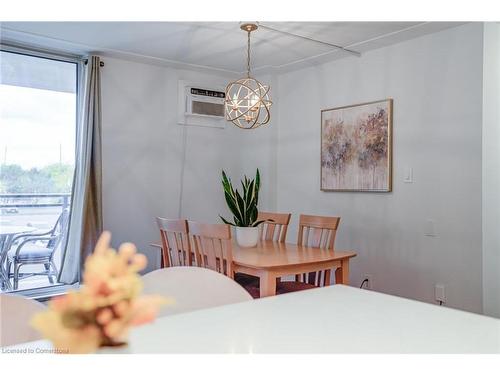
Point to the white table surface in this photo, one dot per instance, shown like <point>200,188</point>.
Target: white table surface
<point>335,319</point>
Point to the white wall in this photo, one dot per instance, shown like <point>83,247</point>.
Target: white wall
<point>436,84</point>
<point>491,170</point>
<point>142,153</point>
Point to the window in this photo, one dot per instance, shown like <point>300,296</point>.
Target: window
<point>38,123</point>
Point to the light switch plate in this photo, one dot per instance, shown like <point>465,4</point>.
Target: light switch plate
<point>430,228</point>
<point>408,175</point>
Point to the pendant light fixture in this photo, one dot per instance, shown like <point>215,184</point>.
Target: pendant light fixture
<point>247,100</point>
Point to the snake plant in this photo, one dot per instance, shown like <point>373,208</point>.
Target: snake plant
<point>243,207</point>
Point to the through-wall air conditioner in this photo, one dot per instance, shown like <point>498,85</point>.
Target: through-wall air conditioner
<point>203,102</point>
<point>201,105</point>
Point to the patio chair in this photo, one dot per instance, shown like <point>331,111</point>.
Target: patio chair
<point>37,248</point>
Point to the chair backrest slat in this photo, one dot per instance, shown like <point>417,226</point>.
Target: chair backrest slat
<point>209,252</point>
<point>320,232</point>
<point>176,248</point>
<point>212,246</point>
<point>275,227</point>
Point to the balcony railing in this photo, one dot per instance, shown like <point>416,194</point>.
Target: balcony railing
<point>9,201</point>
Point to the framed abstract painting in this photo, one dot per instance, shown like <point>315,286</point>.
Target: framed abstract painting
<point>356,147</point>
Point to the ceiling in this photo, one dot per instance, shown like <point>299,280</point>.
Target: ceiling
<point>219,46</point>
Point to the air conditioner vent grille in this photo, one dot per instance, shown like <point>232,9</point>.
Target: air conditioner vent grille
<point>207,109</point>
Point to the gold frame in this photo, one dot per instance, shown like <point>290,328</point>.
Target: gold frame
<point>389,151</point>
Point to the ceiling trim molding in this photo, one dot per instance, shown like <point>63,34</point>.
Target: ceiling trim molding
<point>37,40</point>
<point>68,46</point>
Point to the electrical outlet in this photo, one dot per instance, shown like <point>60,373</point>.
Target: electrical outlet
<point>439,293</point>
<point>369,283</point>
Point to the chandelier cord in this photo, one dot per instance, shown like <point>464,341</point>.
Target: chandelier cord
<point>248,55</point>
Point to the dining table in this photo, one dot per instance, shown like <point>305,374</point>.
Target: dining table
<point>333,319</point>
<point>7,234</point>
<point>270,260</point>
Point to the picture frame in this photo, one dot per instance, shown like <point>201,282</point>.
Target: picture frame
<point>356,147</point>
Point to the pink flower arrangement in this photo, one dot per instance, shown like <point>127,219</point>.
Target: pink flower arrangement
<point>102,311</point>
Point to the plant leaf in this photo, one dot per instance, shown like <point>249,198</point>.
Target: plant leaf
<point>231,199</point>
<point>244,205</point>
<point>231,203</point>
<point>226,222</point>
<point>241,207</point>
<point>257,223</point>
<point>238,222</point>
<point>250,194</point>
<point>254,214</point>
<point>257,186</point>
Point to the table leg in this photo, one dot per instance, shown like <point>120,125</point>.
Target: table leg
<point>342,273</point>
<point>267,284</point>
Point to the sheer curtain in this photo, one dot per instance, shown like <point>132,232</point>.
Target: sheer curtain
<point>86,204</point>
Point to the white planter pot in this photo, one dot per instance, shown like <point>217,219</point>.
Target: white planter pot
<point>247,236</point>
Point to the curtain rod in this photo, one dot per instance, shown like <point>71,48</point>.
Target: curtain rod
<point>34,50</point>
<point>352,52</point>
<point>101,63</point>
<point>23,48</point>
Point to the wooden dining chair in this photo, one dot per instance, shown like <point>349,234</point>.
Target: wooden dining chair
<point>212,246</point>
<point>175,244</point>
<point>318,232</point>
<point>275,226</point>
<point>273,229</point>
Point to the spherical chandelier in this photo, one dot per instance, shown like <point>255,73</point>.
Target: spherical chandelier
<point>247,100</point>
